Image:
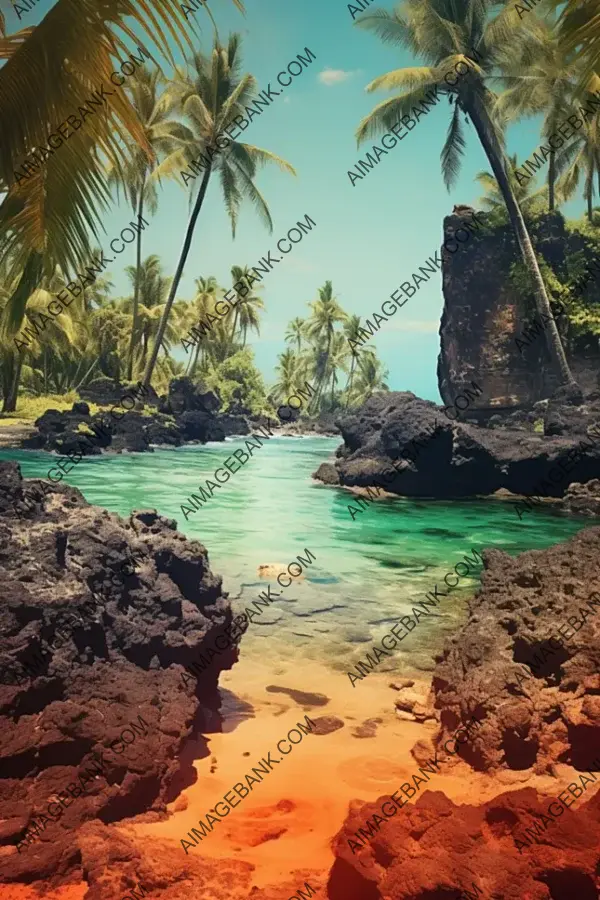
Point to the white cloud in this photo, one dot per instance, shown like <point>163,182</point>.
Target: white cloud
<point>333,76</point>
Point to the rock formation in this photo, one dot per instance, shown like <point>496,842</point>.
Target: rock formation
<point>537,690</point>
<point>96,673</point>
<point>435,850</point>
<point>447,458</point>
<point>484,311</point>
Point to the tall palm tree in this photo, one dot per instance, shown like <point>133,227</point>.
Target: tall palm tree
<point>582,157</point>
<point>528,195</point>
<point>52,214</point>
<point>371,377</point>
<point>579,31</point>
<point>295,333</point>
<point>351,333</point>
<point>326,313</point>
<point>153,290</point>
<point>210,100</point>
<point>287,368</point>
<point>250,315</point>
<point>163,135</point>
<point>240,274</point>
<point>538,79</point>
<point>448,33</point>
<point>338,358</point>
<point>207,293</point>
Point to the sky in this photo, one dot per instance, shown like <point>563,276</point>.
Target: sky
<point>370,236</point>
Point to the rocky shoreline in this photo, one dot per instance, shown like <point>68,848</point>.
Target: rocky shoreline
<point>102,678</point>
<point>409,447</point>
<point>188,414</point>
<point>95,675</point>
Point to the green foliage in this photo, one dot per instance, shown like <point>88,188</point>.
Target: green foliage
<point>238,381</point>
<point>583,316</point>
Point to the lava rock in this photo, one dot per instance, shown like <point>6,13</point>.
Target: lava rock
<point>444,459</point>
<point>96,672</point>
<point>528,701</point>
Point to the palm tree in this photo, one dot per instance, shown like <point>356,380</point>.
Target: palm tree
<point>448,33</point>
<point>326,312</point>
<point>162,136</point>
<point>153,290</point>
<point>210,100</point>
<point>337,361</point>
<point>207,293</point>
<point>579,30</point>
<point>351,333</point>
<point>239,274</point>
<point>295,333</point>
<point>249,315</point>
<point>528,196</point>
<point>287,368</point>
<point>582,157</point>
<point>371,377</point>
<point>539,79</point>
<point>52,213</point>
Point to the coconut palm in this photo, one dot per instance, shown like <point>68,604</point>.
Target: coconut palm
<point>163,135</point>
<point>325,314</point>
<point>538,80</point>
<point>52,214</point>
<point>207,293</point>
<point>287,368</point>
<point>240,274</point>
<point>249,312</point>
<point>338,361</point>
<point>371,377</point>
<point>351,333</point>
<point>211,99</point>
<point>295,333</point>
<point>582,158</point>
<point>529,197</point>
<point>447,33</point>
<point>579,31</point>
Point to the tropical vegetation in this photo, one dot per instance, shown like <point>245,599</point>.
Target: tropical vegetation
<point>541,64</point>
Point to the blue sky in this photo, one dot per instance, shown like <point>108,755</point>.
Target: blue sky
<point>370,237</point>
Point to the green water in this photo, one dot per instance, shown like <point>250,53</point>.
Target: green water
<point>367,572</point>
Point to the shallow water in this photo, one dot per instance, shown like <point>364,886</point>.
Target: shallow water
<point>367,572</point>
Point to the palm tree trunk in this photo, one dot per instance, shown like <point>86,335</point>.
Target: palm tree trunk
<point>136,289</point>
<point>350,379</point>
<point>589,204</point>
<point>10,401</point>
<point>551,180</point>
<point>485,131</point>
<point>195,363</point>
<point>45,369</point>
<point>89,371</point>
<point>235,318</point>
<point>177,277</point>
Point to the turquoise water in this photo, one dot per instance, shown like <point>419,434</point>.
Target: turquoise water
<point>367,572</point>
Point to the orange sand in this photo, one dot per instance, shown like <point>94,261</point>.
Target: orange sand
<point>318,779</point>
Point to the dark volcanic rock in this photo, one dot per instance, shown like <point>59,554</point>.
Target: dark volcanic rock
<point>446,459</point>
<point>485,311</point>
<point>186,396</point>
<point>536,692</point>
<point>92,674</point>
<point>436,850</point>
